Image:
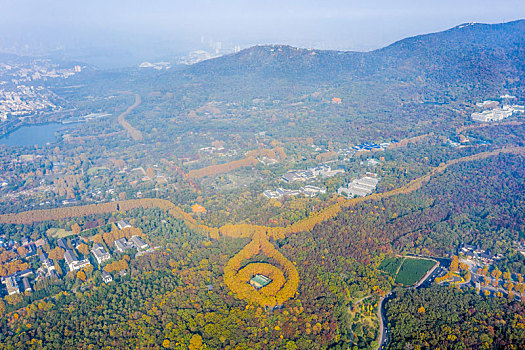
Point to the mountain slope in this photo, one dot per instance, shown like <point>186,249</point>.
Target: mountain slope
<point>481,53</point>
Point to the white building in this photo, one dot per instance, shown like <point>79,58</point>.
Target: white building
<point>122,245</point>
<point>122,224</point>
<point>106,277</point>
<point>72,261</point>
<point>138,243</point>
<point>360,187</point>
<point>100,253</point>
<point>311,191</point>
<point>492,115</point>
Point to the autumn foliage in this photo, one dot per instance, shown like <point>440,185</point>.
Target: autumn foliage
<point>222,168</point>
<point>12,267</point>
<point>284,285</point>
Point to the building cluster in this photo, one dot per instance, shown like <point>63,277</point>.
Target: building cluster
<point>24,100</point>
<point>492,111</point>
<point>476,253</point>
<point>73,260</point>
<point>359,187</point>
<point>311,173</point>
<point>349,152</point>
<point>369,146</point>
<point>20,91</point>
<point>157,65</point>
<point>12,281</point>
<point>308,191</point>
<point>39,69</point>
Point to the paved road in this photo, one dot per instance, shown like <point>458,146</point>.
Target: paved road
<point>134,133</point>
<point>383,322</point>
<point>384,334</point>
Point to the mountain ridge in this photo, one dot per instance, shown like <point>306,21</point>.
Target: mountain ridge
<point>475,59</point>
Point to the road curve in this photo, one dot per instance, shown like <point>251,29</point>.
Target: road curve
<point>134,133</point>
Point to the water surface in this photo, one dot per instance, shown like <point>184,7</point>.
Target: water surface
<point>29,135</point>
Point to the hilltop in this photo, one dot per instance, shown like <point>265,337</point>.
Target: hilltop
<point>469,54</point>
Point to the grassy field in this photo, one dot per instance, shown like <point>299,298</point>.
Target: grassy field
<point>58,233</point>
<point>390,265</point>
<point>412,270</point>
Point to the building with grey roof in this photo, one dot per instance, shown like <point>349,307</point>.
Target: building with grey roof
<point>139,243</point>
<point>122,245</point>
<point>73,262</point>
<point>100,253</point>
<point>11,285</point>
<point>27,285</point>
<point>106,277</point>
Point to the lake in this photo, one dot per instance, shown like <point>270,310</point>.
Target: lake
<point>29,135</point>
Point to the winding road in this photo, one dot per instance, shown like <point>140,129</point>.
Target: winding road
<point>134,133</point>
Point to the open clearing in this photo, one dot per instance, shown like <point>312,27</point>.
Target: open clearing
<point>58,233</point>
<point>391,265</point>
<point>413,270</point>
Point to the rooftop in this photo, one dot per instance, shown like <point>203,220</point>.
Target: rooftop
<point>259,281</point>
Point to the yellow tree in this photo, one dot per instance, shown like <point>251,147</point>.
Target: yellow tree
<point>76,228</point>
<point>83,249</point>
<point>56,253</point>
<point>195,342</point>
<point>81,276</point>
<point>454,264</point>
<point>2,309</point>
<point>22,251</point>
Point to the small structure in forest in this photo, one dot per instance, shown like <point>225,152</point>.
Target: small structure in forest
<point>258,281</point>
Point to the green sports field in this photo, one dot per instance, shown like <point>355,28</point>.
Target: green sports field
<point>413,270</point>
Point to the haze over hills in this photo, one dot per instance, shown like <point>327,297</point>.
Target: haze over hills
<point>466,54</point>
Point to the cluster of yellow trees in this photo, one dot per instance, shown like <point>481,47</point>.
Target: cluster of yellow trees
<point>110,237</point>
<point>29,217</point>
<point>249,160</point>
<point>222,168</point>
<point>68,184</point>
<point>414,139</point>
<point>118,265</point>
<point>12,267</point>
<point>237,280</point>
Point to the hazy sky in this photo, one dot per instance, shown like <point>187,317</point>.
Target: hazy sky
<point>168,26</point>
